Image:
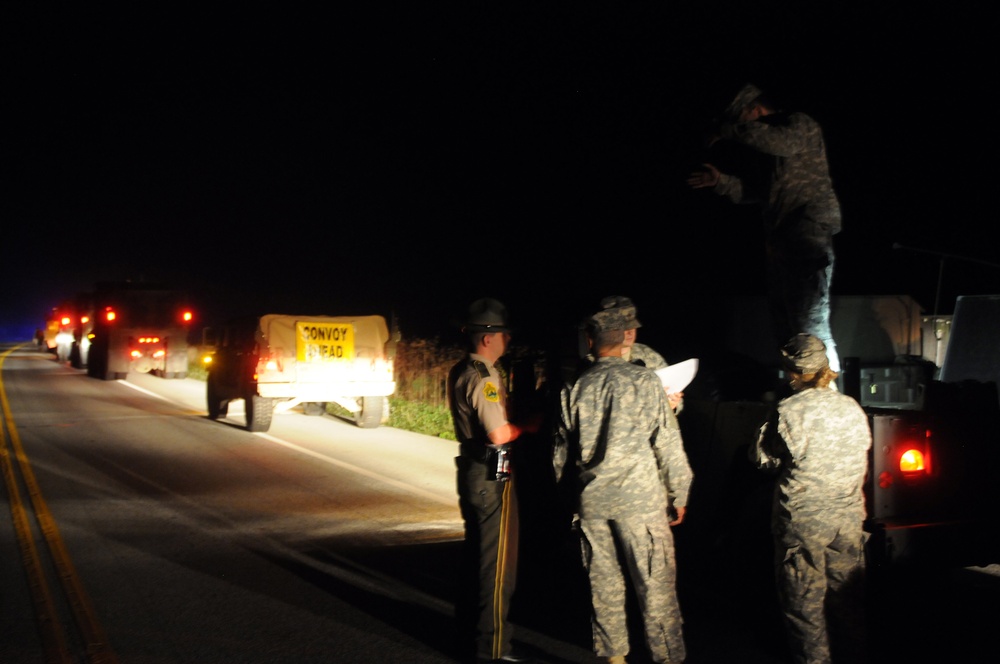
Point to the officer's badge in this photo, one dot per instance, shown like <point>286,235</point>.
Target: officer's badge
<point>491,392</point>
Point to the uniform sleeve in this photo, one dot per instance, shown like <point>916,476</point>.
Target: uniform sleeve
<point>668,445</point>
<point>730,187</point>
<point>486,398</point>
<point>780,140</point>
<point>768,449</point>
<point>561,435</point>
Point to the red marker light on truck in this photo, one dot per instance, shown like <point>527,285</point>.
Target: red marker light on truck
<point>187,316</point>
<point>109,314</point>
<point>912,461</point>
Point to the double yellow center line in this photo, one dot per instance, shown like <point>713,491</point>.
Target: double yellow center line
<point>54,640</point>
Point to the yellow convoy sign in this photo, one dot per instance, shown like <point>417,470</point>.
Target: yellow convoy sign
<point>324,342</point>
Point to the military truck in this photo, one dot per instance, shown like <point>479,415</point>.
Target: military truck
<point>929,386</point>
<point>934,481</point>
<point>277,361</point>
<point>136,326</point>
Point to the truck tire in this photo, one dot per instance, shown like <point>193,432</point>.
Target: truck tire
<point>259,411</point>
<point>217,406</point>
<point>314,407</point>
<point>370,415</point>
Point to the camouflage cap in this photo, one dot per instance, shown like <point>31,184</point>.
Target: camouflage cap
<point>625,307</point>
<point>805,354</point>
<point>746,96</point>
<point>609,319</point>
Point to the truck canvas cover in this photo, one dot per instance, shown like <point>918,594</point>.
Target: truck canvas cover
<point>312,347</point>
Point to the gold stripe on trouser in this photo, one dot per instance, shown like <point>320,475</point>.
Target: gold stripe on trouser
<point>506,566</point>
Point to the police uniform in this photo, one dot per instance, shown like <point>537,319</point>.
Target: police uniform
<point>620,440</point>
<point>801,216</point>
<point>477,395</point>
<point>820,443</point>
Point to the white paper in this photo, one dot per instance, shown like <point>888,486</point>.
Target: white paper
<point>677,376</point>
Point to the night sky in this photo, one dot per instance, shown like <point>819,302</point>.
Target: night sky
<point>407,159</point>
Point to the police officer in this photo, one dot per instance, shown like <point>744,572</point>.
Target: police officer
<point>618,440</point>
<point>486,484</point>
<point>819,443</point>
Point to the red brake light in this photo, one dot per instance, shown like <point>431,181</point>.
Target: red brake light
<point>65,320</point>
<point>109,314</point>
<point>187,316</point>
<point>912,461</point>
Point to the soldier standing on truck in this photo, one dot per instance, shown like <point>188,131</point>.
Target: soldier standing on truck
<point>818,442</point>
<point>801,211</point>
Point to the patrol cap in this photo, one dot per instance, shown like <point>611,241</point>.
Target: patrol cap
<point>746,96</point>
<point>625,308</point>
<point>609,319</point>
<point>805,354</point>
<point>486,315</point>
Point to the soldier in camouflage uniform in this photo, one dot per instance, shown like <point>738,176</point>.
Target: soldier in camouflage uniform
<point>618,440</point>
<point>818,442</point>
<point>801,211</point>
<point>632,350</point>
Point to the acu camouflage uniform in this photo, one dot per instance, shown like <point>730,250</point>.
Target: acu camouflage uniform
<point>819,443</point>
<point>648,357</point>
<point>620,441</point>
<point>801,215</point>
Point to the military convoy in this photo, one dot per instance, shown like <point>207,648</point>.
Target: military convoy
<point>278,361</point>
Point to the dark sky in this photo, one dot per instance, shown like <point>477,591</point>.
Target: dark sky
<point>408,159</point>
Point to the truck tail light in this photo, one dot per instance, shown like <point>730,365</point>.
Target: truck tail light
<point>268,363</point>
<point>109,314</point>
<point>187,316</point>
<point>912,461</point>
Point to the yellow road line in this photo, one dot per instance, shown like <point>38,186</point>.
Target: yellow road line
<point>54,641</point>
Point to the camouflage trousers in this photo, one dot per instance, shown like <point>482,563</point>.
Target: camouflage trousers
<point>820,581</point>
<point>799,295</point>
<point>647,547</point>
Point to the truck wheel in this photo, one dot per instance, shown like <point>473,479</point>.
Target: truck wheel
<point>314,407</point>
<point>259,411</point>
<point>217,406</point>
<point>370,415</point>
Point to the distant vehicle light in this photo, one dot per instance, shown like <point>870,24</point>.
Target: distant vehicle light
<point>207,359</point>
<point>84,319</point>
<point>271,365</point>
<point>160,353</point>
<point>65,320</point>
<point>187,316</point>
<point>135,354</point>
<point>109,314</point>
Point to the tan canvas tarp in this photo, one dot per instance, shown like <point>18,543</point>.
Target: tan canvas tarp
<point>286,335</point>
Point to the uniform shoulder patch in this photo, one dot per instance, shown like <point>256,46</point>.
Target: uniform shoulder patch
<point>491,392</point>
<point>484,371</point>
